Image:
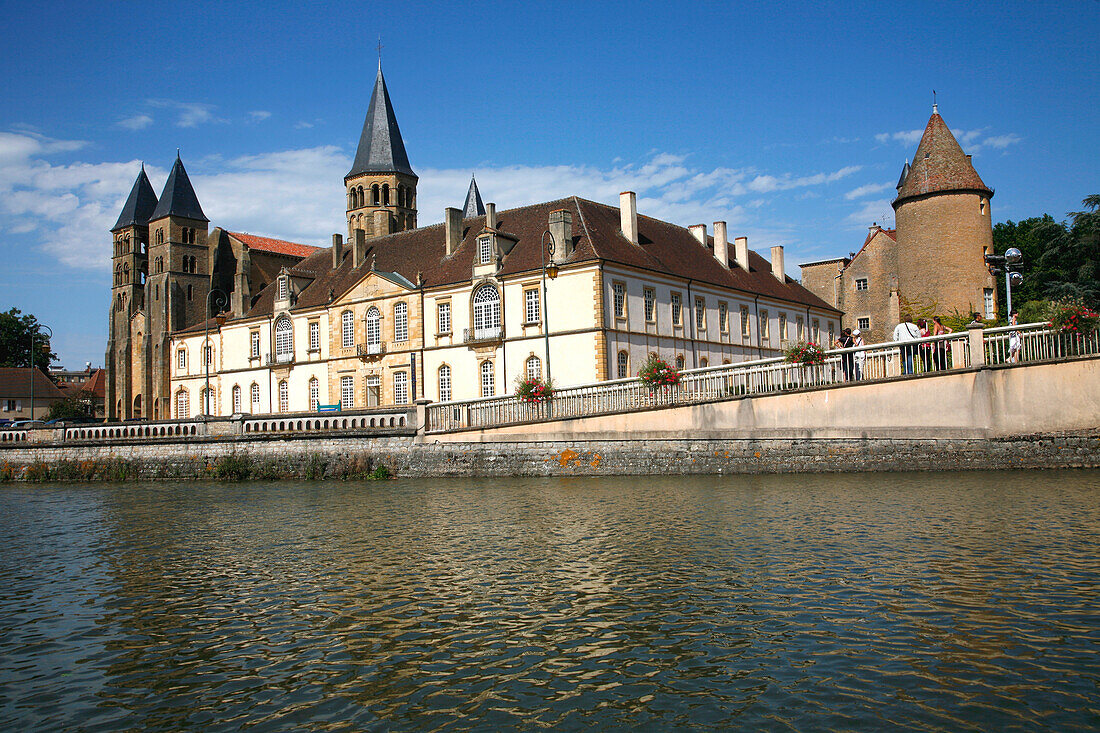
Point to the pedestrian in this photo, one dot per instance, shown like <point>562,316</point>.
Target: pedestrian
<point>939,353</point>
<point>904,333</point>
<point>861,356</point>
<point>846,360</point>
<point>925,347</point>
<point>1014,341</point>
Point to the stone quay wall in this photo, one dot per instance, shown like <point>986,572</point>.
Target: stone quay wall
<point>352,457</point>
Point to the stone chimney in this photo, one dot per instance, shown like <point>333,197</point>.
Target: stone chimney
<point>778,264</point>
<point>337,250</point>
<point>721,245</point>
<point>741,252</point>
<point>359,247</point>
<point>628,215</point>
<point>561,227</point>
<point>383,223</point>
<point>699,231</point>
<point>491,216</point>
<point>452,224</point>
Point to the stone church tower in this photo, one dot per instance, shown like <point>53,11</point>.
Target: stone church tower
<point>944,227</point>
<point>381,185</point>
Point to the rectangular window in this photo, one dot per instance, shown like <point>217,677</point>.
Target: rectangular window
<point>861,283</point>
<point>765,326</point>
<point>618,298</point>
<point>254,339</point>
<point>800,329</point>
<point>401,322</point>
<point>782,327</point>
<point>181,360</point>
<point>445,383</point>
<point>723,317</point>
<point>484,250</point>
<point>700,314</point>
<point>314,336</point>
<point>863,324</point>
<point>816,330</point>
<point>283,289</point>
<point>9,405</point>
<point>347,329</point>
<point>443,316</point>
<point>488,382</point>
<point>990,313</point>
<point>674,298</point>
<point>347,393</point>
<point>400,388</point>
<point>255,392</point>
<point>374,390</point>
<point>236,398</point>
<point>208,355</point>
<point>531,311</point>
<point>744,321</point>
<point>650,297</point>
<point>314,395</point>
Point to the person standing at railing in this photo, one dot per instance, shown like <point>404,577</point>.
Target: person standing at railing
<point>861,356</point>
<point>846,363</point>
<point>905,332</point>
<point>939,352</point>
<point>925,349</point>
<point>1014,341</point>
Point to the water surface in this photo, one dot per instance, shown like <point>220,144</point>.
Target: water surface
<point>933,601</point>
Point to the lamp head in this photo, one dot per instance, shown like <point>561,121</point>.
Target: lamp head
<point>220,318</point>
<point>1013,255</point>
<point>552,270</point>
<point>1015,278</point>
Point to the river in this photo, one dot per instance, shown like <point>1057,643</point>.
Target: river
<point>930,601</point>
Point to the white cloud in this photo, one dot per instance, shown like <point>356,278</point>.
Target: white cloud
<point>259,115</point>
<point>869,189</point>
<point>302,125</point>
<point>971,140</point>
<point>878,211</point>
<point>191,114</point>
<point>1002,141</point>
<point>136,122</point>
<point>906,137</point>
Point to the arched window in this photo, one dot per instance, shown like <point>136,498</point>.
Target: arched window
<point>374,194</point>
<point>401,196</point>
<point>126,273</point>
<point>534,367</point>
<point>445,383</point>
<point>208,354</point>
<point>190,292</point>
<point>160,236</point>
<point>181,359</point>
<point>679,362</point>
<point>488,383</point>
<point>361,198</point>
<point>183,406</point>
<point>385,194</point>
<point>255,398</point>
<point>314,394</point>
<point>622,364</point>
<point>703,362</point>
<point>374,326</point>
<point>284,340</point>
<point>401,322</point>
<point>206,399</point>
<point>118,274</point>
<point>284,396</point>
<point>236,398</point>
<point>486,312</point>
<point>347,329</point>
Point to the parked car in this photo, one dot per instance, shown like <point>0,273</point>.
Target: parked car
<point>25,424</point>
<point>5,422</point>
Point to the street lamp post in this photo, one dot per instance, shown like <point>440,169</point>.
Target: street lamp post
<point>1010,261</point>
<point>207,352</point>
<point>544,249</point>
<point>33,335</point>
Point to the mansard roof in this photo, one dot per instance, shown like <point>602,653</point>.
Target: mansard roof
<point>664,249</point>
<point>473,206</point>
<point>381,149</point>
<point>178,197</point>
<point>939,165</point>
<point>139,205</point>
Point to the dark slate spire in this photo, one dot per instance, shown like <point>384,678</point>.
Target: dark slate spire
<point>178,197</point>
<point>381,149</point>
<point>473,205</point>
<point>139,205</point>
<point>904,173</point>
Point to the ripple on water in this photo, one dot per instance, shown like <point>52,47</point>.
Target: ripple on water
<point>927,601</point>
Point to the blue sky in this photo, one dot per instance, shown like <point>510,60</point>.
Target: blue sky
<point>790,121</point>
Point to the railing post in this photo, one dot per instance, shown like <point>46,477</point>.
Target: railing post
<point>421,413</point>
<point>977,343</point>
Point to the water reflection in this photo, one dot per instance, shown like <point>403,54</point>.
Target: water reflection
<point>935,601</point>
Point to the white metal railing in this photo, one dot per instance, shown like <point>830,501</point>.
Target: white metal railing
<point>763,376</point>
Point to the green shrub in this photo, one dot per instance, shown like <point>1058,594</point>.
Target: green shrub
<point>233,467</point>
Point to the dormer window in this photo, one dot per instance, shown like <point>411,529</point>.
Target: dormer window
<point>484,250</point>
<point>284,288</point>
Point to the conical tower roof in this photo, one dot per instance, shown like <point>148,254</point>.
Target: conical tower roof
<point>473,206</point>
<point>939,165</point>
<point>903,176</point>
<point>139,205</point>
<point>381,149</point>
<point>178,197</point>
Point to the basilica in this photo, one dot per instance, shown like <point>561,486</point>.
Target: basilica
<point>571,290</point>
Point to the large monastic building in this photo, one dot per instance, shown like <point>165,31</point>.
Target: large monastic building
<point>933,262</point>
<point>574,290</point>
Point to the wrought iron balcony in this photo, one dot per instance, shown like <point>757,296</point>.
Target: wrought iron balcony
<point>277,358</point>
<point>483,335</point>
<point>369,350</point>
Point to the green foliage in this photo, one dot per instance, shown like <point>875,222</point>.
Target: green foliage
<point>81,404</point>
<point>657,373</point>
<point>1034,311</point>
<point>956,320</point>
<point>1060,259</point>
<point>1071,315</point>
<point>533,390</point>
<point>315,467</point>
<point>16,334</point>
<point>96,469</point>
<point>233,467</point>
<point>807,354</point>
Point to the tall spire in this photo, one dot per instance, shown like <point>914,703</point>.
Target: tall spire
<point>381,149</point>
<point>904,175</point>
<point>939,165</point>
<point>139,205</point>
<point>178,197</point>
<point>473,205</point>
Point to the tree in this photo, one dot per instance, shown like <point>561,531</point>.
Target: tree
<point>80,404</point>
<point>16,333</point>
